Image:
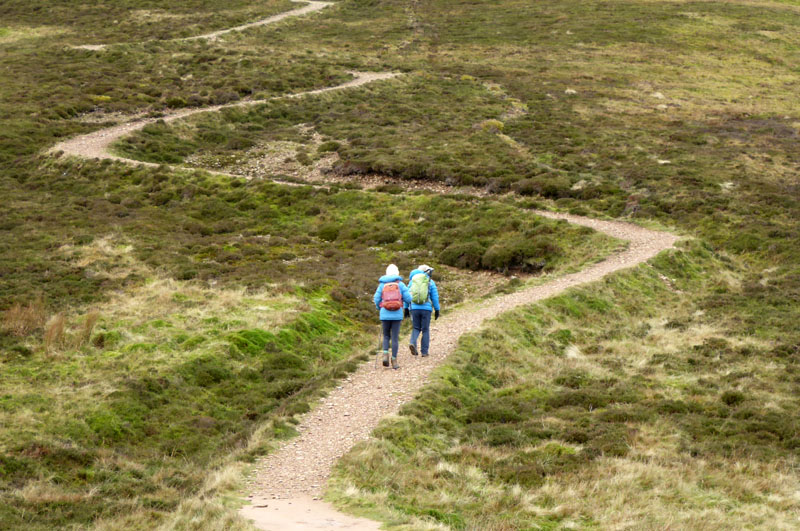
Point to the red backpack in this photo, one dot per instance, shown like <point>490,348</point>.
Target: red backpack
<point>391,298</point>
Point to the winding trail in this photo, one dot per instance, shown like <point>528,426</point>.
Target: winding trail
<point>96,145</point>
<point>287,484</point>
<point>313,5</point>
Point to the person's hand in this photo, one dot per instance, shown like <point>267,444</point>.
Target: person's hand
<point>407,312</point>
<point>436,315</point>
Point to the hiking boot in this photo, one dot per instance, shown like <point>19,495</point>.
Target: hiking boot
<point>424,354</point>
<point>394,364</point>
<point>413,349</point>
<point>385,359</point>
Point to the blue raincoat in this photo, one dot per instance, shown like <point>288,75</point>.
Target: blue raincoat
<point>391,315</point>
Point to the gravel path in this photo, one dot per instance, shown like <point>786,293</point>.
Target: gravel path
<point>298,471</point>
<point>312,6</point>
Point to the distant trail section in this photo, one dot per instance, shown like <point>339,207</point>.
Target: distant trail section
<point>96,145</point>
<point>287,484</point>
<point>312,5</point>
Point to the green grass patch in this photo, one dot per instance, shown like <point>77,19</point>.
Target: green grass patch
<point>135,420</point>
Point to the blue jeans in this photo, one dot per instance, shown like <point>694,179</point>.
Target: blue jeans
<point>391,330</point>
<point>421,320</point>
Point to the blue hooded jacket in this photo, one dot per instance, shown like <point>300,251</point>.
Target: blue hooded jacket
<point>391,315</point>
<point>433,294</point>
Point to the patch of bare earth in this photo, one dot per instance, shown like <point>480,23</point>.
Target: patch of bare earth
<point>281,160</point>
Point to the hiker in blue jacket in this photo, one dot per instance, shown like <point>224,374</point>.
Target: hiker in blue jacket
<point>425,299</point>
<point>391,297</point>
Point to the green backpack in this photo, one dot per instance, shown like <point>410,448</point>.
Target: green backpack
<point>419,288</point>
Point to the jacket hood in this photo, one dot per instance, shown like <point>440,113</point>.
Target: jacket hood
<point>415,272</point>
<point>390,278</point>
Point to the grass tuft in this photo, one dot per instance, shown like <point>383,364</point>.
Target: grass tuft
<point>54,332</point>
<point>22,320</point>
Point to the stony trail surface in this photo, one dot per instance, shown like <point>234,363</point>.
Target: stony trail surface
<point>313,5</point>
<point>288,483</point>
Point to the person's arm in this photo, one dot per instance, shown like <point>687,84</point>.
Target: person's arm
<point>434,293</point>
<point>378,296</point>
<point>406,293</point>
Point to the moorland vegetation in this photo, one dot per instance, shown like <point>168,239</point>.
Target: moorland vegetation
<point>162,326</point>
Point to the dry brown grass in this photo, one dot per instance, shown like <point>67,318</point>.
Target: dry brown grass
<point>655,489</point>
<point>21,320</point>
<point>55,332</point>
<point>45,492</point>
<point>19,33</point>
<point>85,329</point>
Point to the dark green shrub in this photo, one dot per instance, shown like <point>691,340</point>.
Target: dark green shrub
<point>613,442</point>
<point>504,436</point>
<point>466,255</point>
<point>551,185</point>
<point>733,398</point>
<point>382,236</point>
<point>390,189</point>
<point>671,407</point>
<point>206,371</point>
<point>176,102</point>
<point>520,253</point>
<point>584,398</point>
<point>573,378</point>
<point>326,147</point>
<point>328,232</point>
<point>493,412</point>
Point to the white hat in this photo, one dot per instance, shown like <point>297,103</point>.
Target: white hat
<point>392,270</point>
<point>425,268</point>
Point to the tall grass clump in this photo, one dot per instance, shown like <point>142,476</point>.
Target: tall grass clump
<point>85,329</point>
<point>54,332</point>
<point>21,320</point>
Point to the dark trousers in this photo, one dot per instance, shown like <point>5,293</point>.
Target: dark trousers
<point>421,320</point>
<point>391,330</point>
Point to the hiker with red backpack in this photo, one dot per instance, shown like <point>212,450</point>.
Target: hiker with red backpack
<point>390,298</point>
<point>424,301</point>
